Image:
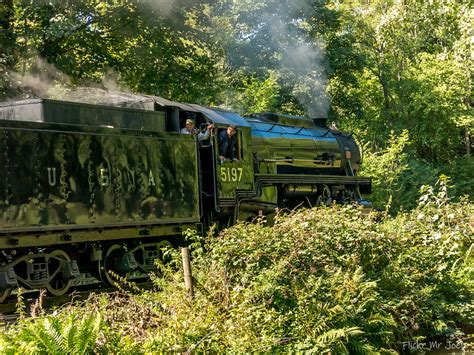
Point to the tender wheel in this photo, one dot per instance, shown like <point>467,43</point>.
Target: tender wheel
<point>109,263</point>
<point>4,294</point>
<point>140,261</point>
<point>349,196</point>
<point>58,285</point>
<point>326,198</point>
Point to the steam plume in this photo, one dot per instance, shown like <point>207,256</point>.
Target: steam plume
<point>276,32</point>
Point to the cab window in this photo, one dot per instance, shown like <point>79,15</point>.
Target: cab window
<point>230,144</point>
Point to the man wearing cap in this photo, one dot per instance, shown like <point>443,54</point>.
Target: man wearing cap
<point>227,141</point>
<point>191,129</point>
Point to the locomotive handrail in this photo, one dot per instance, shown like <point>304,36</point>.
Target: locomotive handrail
<point>293,178</point>
<point>214,182</point>
<point>292,160</point>
<point>278,160</point>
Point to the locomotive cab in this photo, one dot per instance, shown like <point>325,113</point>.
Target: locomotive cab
<point>229,177</point>
<point>222,181</point>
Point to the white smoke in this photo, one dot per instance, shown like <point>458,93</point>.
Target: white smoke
<point>44,80</point>
<point>40,80</point>
<point>163,8</point>
<point>111,82</point>
<point>302,57</point>
<point>304,65</point>
<point>299,57</point>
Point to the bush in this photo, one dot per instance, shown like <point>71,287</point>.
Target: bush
<point>462,172</point>
<point>397,175</point>
<point>324,280</point>
<point>385,168</point>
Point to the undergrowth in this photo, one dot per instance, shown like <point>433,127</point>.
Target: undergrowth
<point>329,279</point>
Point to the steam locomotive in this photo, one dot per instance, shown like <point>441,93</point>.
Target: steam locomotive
<point>92,191</point>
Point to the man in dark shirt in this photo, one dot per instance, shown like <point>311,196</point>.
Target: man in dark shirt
<point>227,141</point>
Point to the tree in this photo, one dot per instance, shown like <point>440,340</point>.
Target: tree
<point>7,43</point>
<point>400,41</point>
<point>264,37</point>
<point>140,45</point>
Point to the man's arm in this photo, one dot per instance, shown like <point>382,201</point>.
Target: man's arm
<point>205,135</point>
<point>202,136</point>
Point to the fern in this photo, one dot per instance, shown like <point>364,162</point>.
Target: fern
<point>56,335</point>
<point>44,336</point>
<point>70,332</point>
<point>53,328</point>
<point>338,334</point>
<point>87,334</point>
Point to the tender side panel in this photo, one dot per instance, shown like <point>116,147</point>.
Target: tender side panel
<point>53,179</point>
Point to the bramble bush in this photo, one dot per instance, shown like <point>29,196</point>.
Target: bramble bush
<point>330,279</point>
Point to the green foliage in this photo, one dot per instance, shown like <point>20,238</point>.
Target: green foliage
<point>56,335</point>
<point>259,95</point>
<point>385,167</point>
<point>397,177</point>
<point>461,170</point>
<point>124,44</point>
<point>7,44</point>
<point>436,267</point>
<point>416,76</point>
<point>321,280</point>
<point>417,174</point>
<point>436,90</point>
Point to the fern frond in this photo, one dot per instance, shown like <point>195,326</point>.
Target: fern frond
<point>338,334</point>
<point>52,327</point>
<point>87,334</point>
<point>41,336</point>
<point>69,332</point>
